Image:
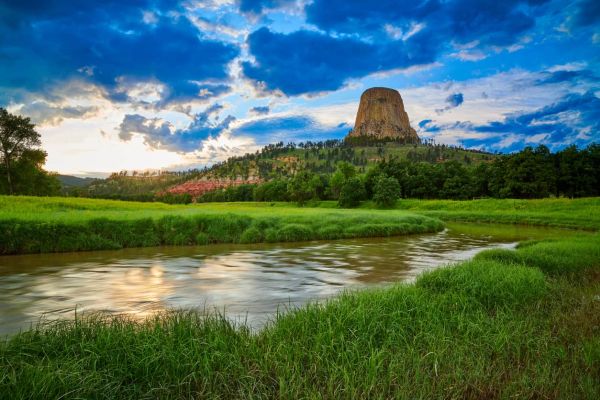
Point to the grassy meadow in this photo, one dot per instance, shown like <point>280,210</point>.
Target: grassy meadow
<point>520,324</point>
<point>53,224</point>
<point>582,213</point>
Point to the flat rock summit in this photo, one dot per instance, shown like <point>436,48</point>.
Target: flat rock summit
<point>381,115</point>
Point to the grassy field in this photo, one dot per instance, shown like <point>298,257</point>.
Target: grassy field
<point>520,324</point>
<point>39,225</point>
<point>35,224</point>
<point>567,213</point>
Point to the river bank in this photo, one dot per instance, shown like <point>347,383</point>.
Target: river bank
<point>507,323</point>
<point>54,224</point>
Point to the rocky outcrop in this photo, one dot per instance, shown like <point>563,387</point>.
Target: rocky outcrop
<point>381,115</point>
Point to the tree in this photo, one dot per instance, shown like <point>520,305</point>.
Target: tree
<point>30,179</point>
<point>344,171</point>
<point>17,135</point>
<point>303,187</point>
<point>352,193</point>
<point>386,191</point>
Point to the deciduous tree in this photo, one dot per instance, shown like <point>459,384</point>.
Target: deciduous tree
<point>17,135</point>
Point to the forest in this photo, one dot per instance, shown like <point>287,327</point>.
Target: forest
<point>530,173</point>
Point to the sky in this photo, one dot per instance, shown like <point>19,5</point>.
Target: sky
<point>156,84</point>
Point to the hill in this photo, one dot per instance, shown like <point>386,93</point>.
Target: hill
<point>69,181</point>
<point>276,161</point>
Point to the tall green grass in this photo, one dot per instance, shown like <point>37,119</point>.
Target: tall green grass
<point>39,225</point>
<point>581,213</point>
<point>513,326</point>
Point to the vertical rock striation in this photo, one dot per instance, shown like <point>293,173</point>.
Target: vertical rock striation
<point>381,115</point>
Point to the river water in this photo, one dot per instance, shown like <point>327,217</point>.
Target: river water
<point>249,282</point>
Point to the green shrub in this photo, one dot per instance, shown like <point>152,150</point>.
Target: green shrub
<point>352,193</point>
<point>386,191</point>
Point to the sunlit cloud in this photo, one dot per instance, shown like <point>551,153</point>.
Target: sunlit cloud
<point>149,84</point>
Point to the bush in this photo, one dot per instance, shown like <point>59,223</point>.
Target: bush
<point>386,191</point>
<point>352,193</point>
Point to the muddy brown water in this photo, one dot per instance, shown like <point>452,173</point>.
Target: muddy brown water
<point>249,282</point>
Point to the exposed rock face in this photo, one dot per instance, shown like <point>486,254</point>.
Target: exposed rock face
<point>381,115</point>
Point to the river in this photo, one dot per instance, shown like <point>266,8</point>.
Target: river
<point>249,282</point>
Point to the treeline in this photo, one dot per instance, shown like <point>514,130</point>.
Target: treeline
<point>530,173</point>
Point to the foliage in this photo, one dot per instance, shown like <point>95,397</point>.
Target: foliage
<point>277,162</point>
<point>304,186</point>
<point>386,191</point>
<point>275,190</point>
<point>352,193</point>
<point>530,173</point>
<point>21,164</point>
<point>481,329</point>
<point>344,171</point>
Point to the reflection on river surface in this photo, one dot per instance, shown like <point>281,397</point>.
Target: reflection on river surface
<point>249,281</point>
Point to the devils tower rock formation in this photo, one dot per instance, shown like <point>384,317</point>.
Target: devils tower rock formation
<point>381,115</point>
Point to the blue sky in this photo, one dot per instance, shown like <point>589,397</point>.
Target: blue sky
<point>149,84</point>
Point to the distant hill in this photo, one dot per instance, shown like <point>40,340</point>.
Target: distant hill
<point>276,161</point>
<point>68,181</point>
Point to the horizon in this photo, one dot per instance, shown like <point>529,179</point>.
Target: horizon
<point>168,85</point>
